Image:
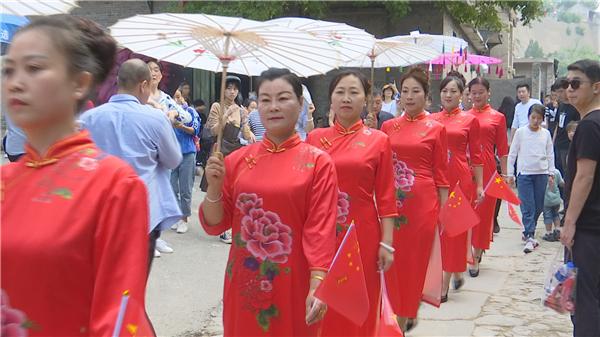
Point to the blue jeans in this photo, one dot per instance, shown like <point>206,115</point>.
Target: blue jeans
<point>182,181</point>
<point>532,188</point>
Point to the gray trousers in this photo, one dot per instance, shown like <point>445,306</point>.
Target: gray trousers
<point>182,181</point>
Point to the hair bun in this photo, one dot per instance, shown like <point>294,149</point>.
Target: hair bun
<point>102,46</point>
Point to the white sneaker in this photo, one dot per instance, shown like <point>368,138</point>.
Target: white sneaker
<point>226,237</point>
<point>536,243</point>
<point>163,247</point>
<point>182,228</point>
<point>529,246</point>
<point>156,253</point>
<point>176,225</point>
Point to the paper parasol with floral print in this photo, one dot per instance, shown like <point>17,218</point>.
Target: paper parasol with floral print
<point>350,42</point>
<point>36,7</point>
<point>219,43</point>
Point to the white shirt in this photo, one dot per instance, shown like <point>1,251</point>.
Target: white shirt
<point>389,107</point>
<point>521,118</point>
<point>534,150</point>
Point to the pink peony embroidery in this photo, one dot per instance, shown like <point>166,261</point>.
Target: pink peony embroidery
<point>13,320</point>
<point>88,164</point>
<point>404,176</point>
<point>266,236</point>
<point>343,207</point>
<point>248,201</point>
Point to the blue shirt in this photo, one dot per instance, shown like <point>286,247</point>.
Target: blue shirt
<point>168,102</point>
<point>256,125</point>
<point>303,118</point>
<point>15,138</point>
<point>186,141</point>
<point>144,138</point>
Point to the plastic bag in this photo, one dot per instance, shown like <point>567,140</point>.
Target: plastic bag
<point>559,286</point>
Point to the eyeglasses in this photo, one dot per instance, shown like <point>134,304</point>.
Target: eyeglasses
<point>574,83</point>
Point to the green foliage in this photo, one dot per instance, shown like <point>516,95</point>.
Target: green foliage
<point>568,17</point>
<point>568,31</point>
<point>579,31</point>
<point>568,56</point>
<point>480,14</point>
<point>534,50</point>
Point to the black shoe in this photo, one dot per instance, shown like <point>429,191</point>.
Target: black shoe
<point>444,299</point>
<point>411,324</point>
<point>458,283</point>
<point>496,228</point>
<point>550,237</point>
<point>474,273</point>
<point>556,233</point>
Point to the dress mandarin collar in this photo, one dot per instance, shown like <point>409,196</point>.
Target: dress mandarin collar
<point>454,112</point>
<point>288,144</point>
<point>58,150</point>
<point>418,117</point>
<point>343,131</point>
<point>485,108</point>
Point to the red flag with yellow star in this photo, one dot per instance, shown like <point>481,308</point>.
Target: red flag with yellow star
<point>457,216</point>
<point>388,323</point>
<point>512,213</point>
<point>344,289</point>
<point>497,188</point>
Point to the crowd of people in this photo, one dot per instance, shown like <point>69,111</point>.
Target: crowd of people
<point>280,191</point>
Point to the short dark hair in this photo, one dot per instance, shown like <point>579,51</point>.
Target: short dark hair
<point>272,74</point>
<point>247,101</point>
<point>377,92</point>
<point>589,67</point>
<point>133,72</point>
<point>198,102</point>
<point>418,75</point>
<point>155,62</point>
<point>233,80</point>
<point>559,82</point>
<point>184,83</point>
<point>450,78</point>
<point>361,77</point>
<point>523,85</point>
<point>537,109</point>
<point>481,81</point>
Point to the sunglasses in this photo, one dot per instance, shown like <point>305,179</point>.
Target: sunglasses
<point>575,84</point>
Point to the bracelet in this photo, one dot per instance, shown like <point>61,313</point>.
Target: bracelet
<point>317,277</point>
<point>310,120</point>
<point>387,247</point>
<point>214,201</point>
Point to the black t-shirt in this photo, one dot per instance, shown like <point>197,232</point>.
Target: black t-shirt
<point>585,146</point>
<point>566,114</point>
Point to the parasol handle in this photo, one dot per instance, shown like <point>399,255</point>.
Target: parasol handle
<point>370,113</point>
<point>222,107</point>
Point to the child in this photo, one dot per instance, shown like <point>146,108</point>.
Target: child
<point>571,127</point>
<point>533,146</point>
<point>551,207</point>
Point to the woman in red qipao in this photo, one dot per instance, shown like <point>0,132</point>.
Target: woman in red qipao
<point>279,197</point>
<point>363,161</point>
<point>420,157</point>
<point>462,130</point>
<point>492,133</point>
<point>67,255</point>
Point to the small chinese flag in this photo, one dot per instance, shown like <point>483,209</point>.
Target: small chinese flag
<point>497,188</point>
<point>432,288</point>
<point>344,289</point>
<point>457,216</point>
<point>512,213</point>
<point>388,323</point>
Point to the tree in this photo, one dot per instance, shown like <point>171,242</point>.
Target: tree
<point>579,31</point>
<point>480,14</point>
<point>534,50</point>
<point>568,56</point>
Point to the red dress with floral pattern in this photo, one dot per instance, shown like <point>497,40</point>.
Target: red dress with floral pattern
<point>363,161</point>
<point>74,238</point>
<point>420,156</point>
<point>493,140</point>
<point>462,130</point>
<point>280,202</point>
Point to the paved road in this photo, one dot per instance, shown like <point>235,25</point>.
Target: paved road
<point>185,290</point>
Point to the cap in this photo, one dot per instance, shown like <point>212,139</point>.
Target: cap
<point>231,78</point>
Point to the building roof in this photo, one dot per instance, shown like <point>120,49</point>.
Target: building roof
<point>534,60</point>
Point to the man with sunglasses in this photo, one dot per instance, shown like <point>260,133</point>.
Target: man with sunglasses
<point>581,231</point>
<point>565,114</point>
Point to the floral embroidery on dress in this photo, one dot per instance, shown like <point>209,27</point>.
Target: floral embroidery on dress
<point>404,179</point>
<point>88,164</point>
<point>269,242</point>
<point>14,321</point>
<point>343,209</point>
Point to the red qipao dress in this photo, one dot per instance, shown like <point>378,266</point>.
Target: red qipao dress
<point>493,140</point>
<point>74,238</point>
<point>280,202</point>
<point>420,157</point>
<point>462,130</point>
<point>363,161</point>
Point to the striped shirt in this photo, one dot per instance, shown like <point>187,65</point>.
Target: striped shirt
<point>255,125</point>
